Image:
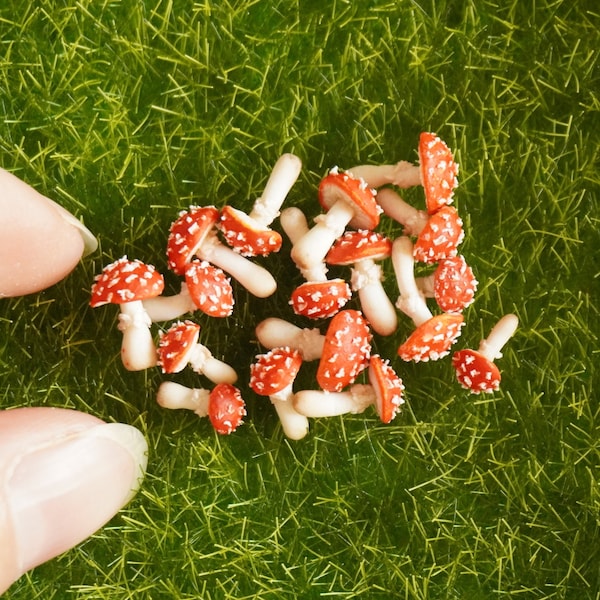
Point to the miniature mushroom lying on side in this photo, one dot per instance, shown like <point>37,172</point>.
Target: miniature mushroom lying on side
<point>434,335</point>
<point>360,249</point>
<point>348,201</point>
<point>194,233</point>
<point>127,283</point>
<point>437,172</point>
<point>250,235</point>
<point>318,297</point>
<point>223,405</point>
<point>273,375</point>
<point>179,347</point>
<point>475,369</point>
<point>384,391</point>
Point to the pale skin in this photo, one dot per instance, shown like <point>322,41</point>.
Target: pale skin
<point>96,466</point>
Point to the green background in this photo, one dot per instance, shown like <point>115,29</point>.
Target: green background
<point>126,112</point>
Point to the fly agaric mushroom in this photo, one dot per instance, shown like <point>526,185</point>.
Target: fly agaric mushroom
<point>348,201</point>
<point>384,391</point>
<point>127,283</point>
<point>318,297</point>
<point>475,369</point>
<point>223,405</point>
<point>346,350</point>
<point>179,347</point>
<point>273,332</point>
<point>273,375</point>
<point>361,249</point>
<point>452,284</point>
<point>438,235</point>
<point>193,233</point>
<point>433,335</point>
<point>437,172</point>
<point>250,235</point>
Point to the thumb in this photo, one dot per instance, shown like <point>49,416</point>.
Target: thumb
<point>63,475</point>
<point>40,242</point>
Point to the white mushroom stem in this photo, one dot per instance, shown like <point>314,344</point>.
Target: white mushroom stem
<point>282,178</point>
<point>312,247</point>
<point>394,206</point>
<point>138,351</point>
<point>294,425</point>
<point>403,174</point>
<point>500,334</point>
<point>318,403</point>
<point>174,395</point>
<point>256,279</point>
<point>294,224</point>
<point>168,308</point>
<point>411,301</point>
<point>202,362</point>
<point>275,333</point>
<point>426,285</point>
<point>366,279</point>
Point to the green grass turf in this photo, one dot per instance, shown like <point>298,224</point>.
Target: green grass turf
<point>128,111</point>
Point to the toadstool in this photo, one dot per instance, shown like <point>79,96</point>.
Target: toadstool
<point>179,346</point>
<point>272,375</point>
<point>346,350</point>
<point>348,201</point>
<point>475,369</point>
<point>361,249</point>
<point>127,283</point>
<point>250,234</point>
<point>193,233</point>
<point>433,335</point>
<point>223,405</point>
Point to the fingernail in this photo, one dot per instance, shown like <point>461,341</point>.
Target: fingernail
<point>61,493</point>
<point>90,243</point>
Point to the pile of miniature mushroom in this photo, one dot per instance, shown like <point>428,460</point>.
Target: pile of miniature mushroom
<point>208,246</point>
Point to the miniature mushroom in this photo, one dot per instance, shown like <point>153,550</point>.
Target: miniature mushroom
<point>193,233</point>
<point>452,284</point>
<point>348,201</point>
<point>384,391</point>
<point>250,235</point>
<point>438,235</point>
<point>475,369</point>
<point>361,249</point>
<point>179,347</point>
<point>318,297</point>
<point>437,172</point>
<point>433,335</point>
<point>223,405</point>
<point>346,350</point>
<point>273,332</point>
<point>273,375</point>
<point>127,283</point>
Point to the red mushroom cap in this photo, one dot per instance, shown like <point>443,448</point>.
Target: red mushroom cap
<point>187,233</point>
<point>432,339</point>
<point>246,235</point>
<point>440,237</point>
<point>126,281</point>
<point>475,372</point>
<point>320,299</point>
<point>388,388</point>
<point>346,350</point>
<point>438,171</point>
<point>176,345</point>
<point>209,288</point>
<point>343,186</point>
<point>226,408</point>
<point>354,246</point>
<point>275,370</point>
<point>454,284</point>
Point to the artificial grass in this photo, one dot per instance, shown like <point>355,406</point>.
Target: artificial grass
<point>127,112</point>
